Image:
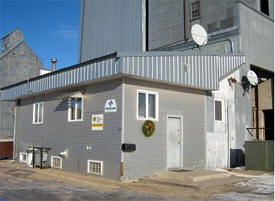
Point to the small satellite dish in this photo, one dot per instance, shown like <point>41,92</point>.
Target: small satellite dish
<point>252,77</point>
<point>199,35</point>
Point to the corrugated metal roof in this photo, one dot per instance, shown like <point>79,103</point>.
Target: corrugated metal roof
<point>196,70</point>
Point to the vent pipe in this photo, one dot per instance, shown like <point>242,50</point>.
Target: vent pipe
<point>54,61</point>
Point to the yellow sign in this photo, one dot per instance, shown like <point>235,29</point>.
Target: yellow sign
<point>97,122</point>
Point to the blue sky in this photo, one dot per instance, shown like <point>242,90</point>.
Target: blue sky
<point>51,27</point>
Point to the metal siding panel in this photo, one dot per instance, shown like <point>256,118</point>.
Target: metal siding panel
<point>204,71</point>
<point>111,34</point>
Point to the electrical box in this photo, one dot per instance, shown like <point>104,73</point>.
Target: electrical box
<point>128,147</point>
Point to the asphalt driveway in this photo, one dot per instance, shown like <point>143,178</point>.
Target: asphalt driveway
<point>18,182</point>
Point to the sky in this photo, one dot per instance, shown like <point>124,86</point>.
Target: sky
<point>50,27</point>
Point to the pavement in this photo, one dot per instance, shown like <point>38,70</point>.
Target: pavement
<point>24,184</point>
<point>260,188</point>
<point>19,182</point>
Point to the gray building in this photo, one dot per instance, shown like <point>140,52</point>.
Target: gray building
<point>109,26</point>
<point>244,26</point>
<point>241,27</point>
<point>86,114</point>
<point>17,62</point>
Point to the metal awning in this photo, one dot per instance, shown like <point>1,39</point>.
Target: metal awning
<point>195,70</point>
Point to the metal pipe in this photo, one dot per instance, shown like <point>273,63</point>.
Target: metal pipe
<point>54,61</point>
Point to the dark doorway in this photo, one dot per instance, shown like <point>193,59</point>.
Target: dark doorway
<point>265,7</point>
<point>269,124</point>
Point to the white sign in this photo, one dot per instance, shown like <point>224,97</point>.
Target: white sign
<point>97,122</point>
<point>110,106</point>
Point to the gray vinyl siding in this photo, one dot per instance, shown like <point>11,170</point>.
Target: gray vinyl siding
<point>151,152</point>
<point>57,133</point>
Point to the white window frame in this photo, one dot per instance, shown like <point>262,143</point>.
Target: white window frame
<point>33,113</point>
<point>94,161</point>
<point>20,158</point>
<point>222,109</point>
<point>82,109</point>
<point>146,92</point>
<point>61,166</point>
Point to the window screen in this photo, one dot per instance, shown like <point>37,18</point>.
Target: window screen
<point>152,106</point>
<point>37,113</point>
<point>141,105</point>
<point>75,109</point>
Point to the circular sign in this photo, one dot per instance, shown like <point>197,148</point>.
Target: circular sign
<point>199,35</point>
<point>252,77</point>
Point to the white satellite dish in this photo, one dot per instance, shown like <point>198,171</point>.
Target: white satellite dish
<point>199,35</point>
<point>252,77</point>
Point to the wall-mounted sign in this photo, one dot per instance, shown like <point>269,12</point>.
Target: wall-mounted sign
<point>97,122</point>
<point>110,106</point>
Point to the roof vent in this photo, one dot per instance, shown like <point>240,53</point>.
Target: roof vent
<point>54,61</point>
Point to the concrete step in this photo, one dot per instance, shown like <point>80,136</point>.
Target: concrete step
<point>185,178</point>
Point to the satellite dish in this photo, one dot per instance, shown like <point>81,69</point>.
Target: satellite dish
<point>252,77</point>
<point>199,35</point>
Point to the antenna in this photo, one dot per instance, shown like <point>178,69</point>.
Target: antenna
<point>199,35</point>
<point>252,77</point>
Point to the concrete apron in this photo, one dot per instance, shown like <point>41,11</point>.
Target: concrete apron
<point>184,178</point>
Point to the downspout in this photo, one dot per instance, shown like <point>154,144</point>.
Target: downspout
<point>144,25</point>
<point>184,21</point>
<point>257,112</point>
<point>228,138</point>
<point>15,131</point>
<point>122,129</point>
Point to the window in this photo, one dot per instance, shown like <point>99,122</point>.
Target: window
<point>95,167</point>
<point>147,105</point>
<point>56,162</point>
<point>195,10</point>
<point>38,111</point>
<point>264,7</point>
<point>75,109</point>
<point>218,110</point>
<point>23,157</point>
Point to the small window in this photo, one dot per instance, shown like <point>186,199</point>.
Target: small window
<point>147,105</point>
<point>56,162</point>
<point>38,110</point>
<point>23,157</point>
<point>195,10</point>
<point>264,7</point>
<point>95,167</point>
<point>75,109</point>
<point>218,110</point>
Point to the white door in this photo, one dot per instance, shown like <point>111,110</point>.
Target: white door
<point>174,142</point>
